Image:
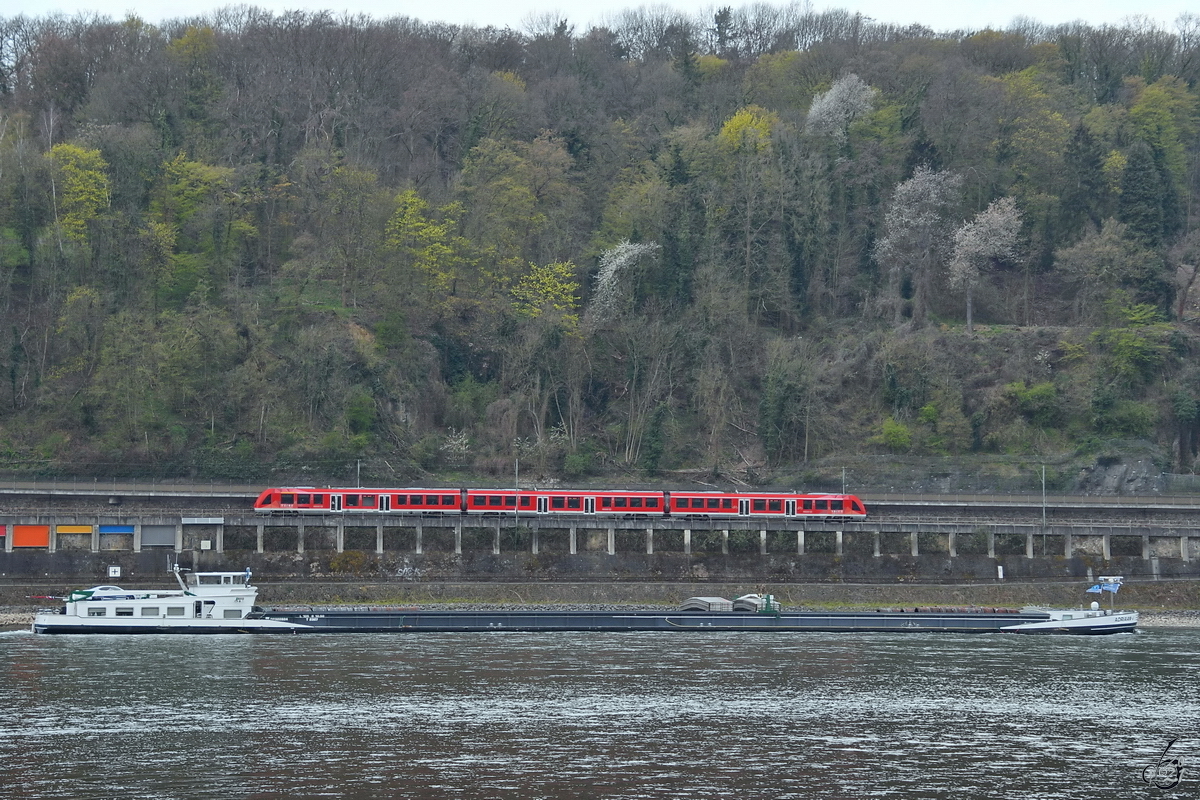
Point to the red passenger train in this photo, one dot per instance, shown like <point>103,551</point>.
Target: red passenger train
<point>560,502</point>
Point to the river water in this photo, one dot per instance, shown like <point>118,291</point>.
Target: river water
<point>612,715</point>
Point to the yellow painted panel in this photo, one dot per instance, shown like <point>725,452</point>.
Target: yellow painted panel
<point>73,528</point>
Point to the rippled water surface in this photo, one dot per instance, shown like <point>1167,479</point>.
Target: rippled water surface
<point>575,715</point>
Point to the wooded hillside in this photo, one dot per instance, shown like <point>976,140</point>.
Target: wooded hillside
<point>254,245</point>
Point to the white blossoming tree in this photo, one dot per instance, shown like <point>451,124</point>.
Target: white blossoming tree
<point>988,239</point>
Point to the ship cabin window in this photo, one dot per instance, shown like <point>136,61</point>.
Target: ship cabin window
<point>150,611</point>
<point>774,505</point>
<point>836,505</point>
<point>651,502</point>
<point>233,613</point>
<point>620,502</point>
<point>526,502</point>
<point>124,612</point>
<point>822,505</point>
<point>759,505</point>
<point>808,505</point>
<point>558,502</point>
<point>510,502</point>
<point>714,502</point>
<point>175,611</point>
<point>574,502</point>
<point>97,612</point>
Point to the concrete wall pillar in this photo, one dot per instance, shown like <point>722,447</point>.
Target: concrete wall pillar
<point>137,537</point>
<point>914,543</point>
<point>496,540</point>
<point>258,537</point>
<point>458,538</point>
<point>574,540</point>
<point>533,537</point>
<point>877,544</point>
<point>379,539</point>
<point>612,541</point>
<point>300,536</point>
<point>649,541</point>
<point>1029,545</point>
<point>725,543</point>
<point>800,542</point>
<point>1185,548</point>
<point>838,542</point>
<point>53,538</point>
<point>991,540</point>
<point>762,543</point>
<point>96,538</point>
<point>1145,547</point>
<point>687,541</point>
<point>1106,546</point>
<point>1068,545</point>
<point>952,544</point>
<point>339,537</point>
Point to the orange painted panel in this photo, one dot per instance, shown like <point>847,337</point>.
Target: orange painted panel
<point>31,535</point>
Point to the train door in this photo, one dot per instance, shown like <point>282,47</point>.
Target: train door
<point>743,508</point>
<point>589,505</point>
<point>335,502</point>
<point>385,502</point>
<point>789,507</point>
<point>543,505</point>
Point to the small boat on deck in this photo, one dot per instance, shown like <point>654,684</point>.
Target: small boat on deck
<point>224,602</point>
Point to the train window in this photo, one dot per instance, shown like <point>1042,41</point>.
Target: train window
<point>352,500</point>
<point>510,501</point>
<point>727,502</point>
<point>808,505</point>
<point>635,502</point>
<point>304,499</point>
<point>822,505</point>
<point>401,500</point>
<point>574,502</point>
<point>620,502</point>
<point>449,500</point>
<point>368,500</point>
<point>287,499</point>
<point>714,502</point>
<point>836,505</point>
<point>605,502</point>
<point>478,500</point>
<point>431,500</point>
<point>526,502</point>
<point>857,505</point>
<point>775,505</point>
<point>651,502</point>
<point>759,505</point>
<point>493,499</point>
<point>558,502</point>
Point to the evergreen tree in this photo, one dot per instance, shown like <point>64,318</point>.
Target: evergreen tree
<point>1141,202</point>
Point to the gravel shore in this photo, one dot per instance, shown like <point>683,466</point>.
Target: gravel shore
<point>20,619</point>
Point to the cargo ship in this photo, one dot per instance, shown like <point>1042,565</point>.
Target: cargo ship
<point>225,602</point>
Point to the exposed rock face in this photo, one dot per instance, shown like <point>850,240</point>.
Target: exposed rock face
<point>1122,477</point>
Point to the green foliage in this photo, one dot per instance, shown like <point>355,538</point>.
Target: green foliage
<point>80,188</point>
<point>895,436</point>
<point>1040,403</point>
